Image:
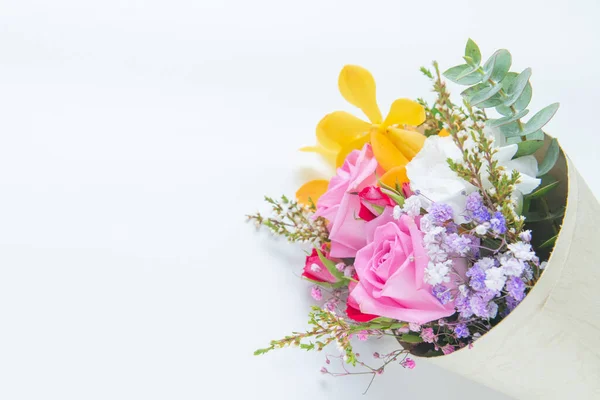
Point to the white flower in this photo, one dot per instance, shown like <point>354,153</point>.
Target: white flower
<point>436,253</point>
<point>522,251</point>
<point>426,223</point>
<point>495,279</point>
<point>525,236</point>
<point>486,263</point>
<point>437,273</point>
<point>512,266</point>
<point>430,174</point>
<point>397,212</point>
<point>435,235</point>
<point>412,206</point>
<point>482,229</point>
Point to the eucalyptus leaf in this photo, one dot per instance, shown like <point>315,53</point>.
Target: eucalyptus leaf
<point>542,191</point>
<point>517,87</point>
<point>457,75</point>
<point>528,147</point>
<point>493,123</point>
<point>472,51</point>
<point>537,135</point>
<point>497,66</point>
<point>491,102</point>
<point>510,130</point>
<point>549,159</point>
<point>523,100</point>
<point>484,95</point>
<point>540,119</point>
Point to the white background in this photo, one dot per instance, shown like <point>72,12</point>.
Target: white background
<point>135,135</point>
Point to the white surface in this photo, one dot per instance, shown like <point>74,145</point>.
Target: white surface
<point>136,134</point>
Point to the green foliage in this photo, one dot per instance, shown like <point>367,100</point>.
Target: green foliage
<point>528,147</point>
<point>494,86</point>
<point>550,159</point>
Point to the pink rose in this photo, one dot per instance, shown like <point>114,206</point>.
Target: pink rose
<point>340,203</point>
<point>390,269</point>
<point>315,270</point>
<point>372,202</point>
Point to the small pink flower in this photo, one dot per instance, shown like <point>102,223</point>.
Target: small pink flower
<point>372,202</point>
<point>408,363</point>
<point>324,370</point>
<point>316,294</point>
<point>447,349</point>
<point>362,335</point>
<point>427,335</point>
<point>414,327</point>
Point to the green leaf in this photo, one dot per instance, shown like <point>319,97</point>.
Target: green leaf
<point>510,130</point>
<point>528,147</point>
<point>517,87</point>
<point>330,265</point>
<point>472,51</point>
<point>408,338</point>
<point>497,66</point>
<point>523,100</point>
<point>493,123</point>
<point>549,243</point>
<point>484,95</point>
<point>540,119</point>
<point>463,74</point>
<point>542,191</point>
<point>541,218</point>
<point>549,159</point>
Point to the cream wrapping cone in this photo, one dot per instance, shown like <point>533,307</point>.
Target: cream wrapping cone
<point>549,346</point>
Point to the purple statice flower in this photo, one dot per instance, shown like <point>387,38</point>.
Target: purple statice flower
<point>498,223</point>
<point>474,202</point>
<point>451,227</point>
<point>511,303</point>
<point>475,208</point>
<point>515,287</point>
<point>462,331</point>
<point>477,275</point>
<point>440,212</point>
<point>482,307</point>
<point>447,349</point>
<point>442,293</point>
<point>427,335</point>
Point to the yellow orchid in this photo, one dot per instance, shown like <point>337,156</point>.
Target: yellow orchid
<point>394,143</point>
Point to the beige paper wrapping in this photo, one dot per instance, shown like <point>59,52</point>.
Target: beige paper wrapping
<point>549,346</point>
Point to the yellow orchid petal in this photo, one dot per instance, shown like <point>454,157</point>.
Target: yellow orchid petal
<point>339,128</point>
<point>329,155</point>
<point>357,86</point>
<point>395,177</point>
<point>311,190</point>
<point>405,112</point>
<point>444,133</point>
<point>387,155</point>
<point>408,142</point>
<point>347,149</point>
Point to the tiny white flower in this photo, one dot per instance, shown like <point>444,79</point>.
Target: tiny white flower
<point>412,206</point>
<point>495,278</point>
<point>436,253</point>
<point>543,264</point>
<point>486,263</point>
<point>397,212</point>
<point>436,273</point>
<point>315,268</point>
<point>482,228</point>
<point>522,251</point>
<point>512,266</point>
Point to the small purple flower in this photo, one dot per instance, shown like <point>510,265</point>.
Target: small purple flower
<point>440,212</point>
<point>463,306</point>
<point>511,303</point>
<point>458,244</point>
<point>408,363</point>
<point>477,275</point>
<point>498,223</point>
<point>474,202</point>
<point>525,236</point>
<point>316,294</point>
<point>442,293</point>
<point>482,307</point>
<point>462,331</point>
<point>515,287</point>
<point>427,335</point>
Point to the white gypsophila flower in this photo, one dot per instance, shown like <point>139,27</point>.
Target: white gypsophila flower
<point>522,251</point>
<point>436,253</point>
<point>434,235</point>
<point>426,223</point>
<point>464,290</point>
<point>397,212</point>
<point>486,263</point>
<point>495,278</point>
<point>412,206</point>
<point>436,273</point>
<point>482,228</point>
<point>430,174</point>
<point>512,266</point>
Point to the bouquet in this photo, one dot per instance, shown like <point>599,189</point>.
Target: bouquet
<point>459,228</point>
